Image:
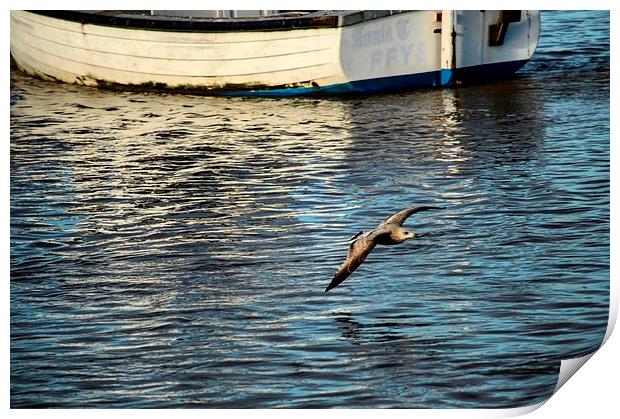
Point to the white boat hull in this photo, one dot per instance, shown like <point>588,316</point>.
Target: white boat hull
<point>394,52</point>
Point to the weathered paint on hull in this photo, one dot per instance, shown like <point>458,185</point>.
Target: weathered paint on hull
<point>394,53</point>
<point>107,56</point>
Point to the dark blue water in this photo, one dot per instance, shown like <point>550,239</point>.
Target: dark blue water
<point>172,251</point>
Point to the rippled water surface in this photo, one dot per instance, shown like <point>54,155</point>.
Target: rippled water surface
<point>172,251</point>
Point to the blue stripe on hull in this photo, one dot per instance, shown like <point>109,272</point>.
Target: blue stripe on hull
<point>488,72</point>
<point>443,78</point>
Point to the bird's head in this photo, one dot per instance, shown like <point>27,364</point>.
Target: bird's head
<point>406,234</point>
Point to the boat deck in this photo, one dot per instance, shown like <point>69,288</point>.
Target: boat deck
<point>143,19</point>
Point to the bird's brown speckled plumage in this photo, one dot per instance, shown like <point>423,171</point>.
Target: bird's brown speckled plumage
<point>388,232</point>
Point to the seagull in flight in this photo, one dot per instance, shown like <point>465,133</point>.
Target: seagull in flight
<point>389,232</point>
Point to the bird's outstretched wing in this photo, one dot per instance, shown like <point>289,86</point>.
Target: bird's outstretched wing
<point>358,251</point>
<point>400,217</point>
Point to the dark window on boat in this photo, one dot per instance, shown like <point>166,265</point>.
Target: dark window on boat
<point>497,31</point>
